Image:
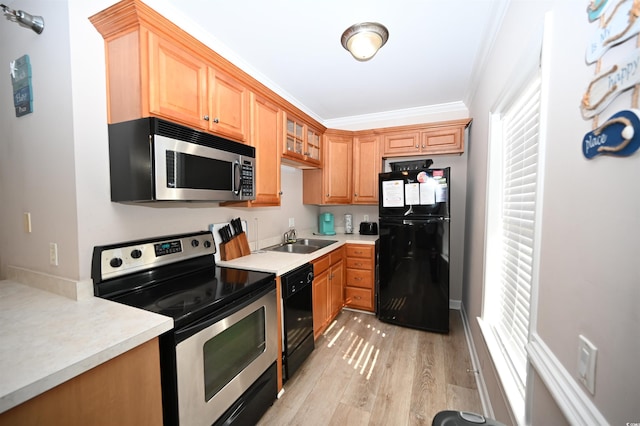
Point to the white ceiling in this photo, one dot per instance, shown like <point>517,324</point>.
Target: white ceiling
<point>435,49</point>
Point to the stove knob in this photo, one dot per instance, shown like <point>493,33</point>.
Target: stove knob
<point>136,254</point>
<point>195,243</point>
<point>116,262</point>
<point>207,244</point>
<point>310,277</point>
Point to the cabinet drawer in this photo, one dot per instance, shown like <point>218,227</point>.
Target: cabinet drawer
<point>359,298</point>
<point>321,264</point>
<point>337,255</point>
<point>359,263</point>
<point>360,250</point>
<point>359,278</point>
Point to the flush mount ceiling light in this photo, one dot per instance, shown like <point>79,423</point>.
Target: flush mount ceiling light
<point>363,40</point>
<point>36,23</point>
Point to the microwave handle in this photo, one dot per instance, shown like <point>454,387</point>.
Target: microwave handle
<point>237,177</point>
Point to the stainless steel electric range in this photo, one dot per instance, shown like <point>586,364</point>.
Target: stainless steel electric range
<point>218,364</point>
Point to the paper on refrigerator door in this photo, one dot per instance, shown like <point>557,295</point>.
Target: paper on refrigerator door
<point>442,192</point>
<point>393,193</point>
<point>428,192</point>
<point>412,194</point>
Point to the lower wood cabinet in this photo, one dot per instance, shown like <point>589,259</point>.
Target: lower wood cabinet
<point>328,294</point>
<point>360,276</point>
<point>122,391</point>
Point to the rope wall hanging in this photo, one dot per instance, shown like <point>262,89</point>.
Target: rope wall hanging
<point>620,134</point>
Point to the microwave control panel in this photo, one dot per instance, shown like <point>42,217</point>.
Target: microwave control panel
<point>247,179</point>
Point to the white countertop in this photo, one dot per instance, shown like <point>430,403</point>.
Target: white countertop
<point>47,339</point>
<point>280,263</point>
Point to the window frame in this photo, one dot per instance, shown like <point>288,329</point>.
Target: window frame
<point>517,395</point>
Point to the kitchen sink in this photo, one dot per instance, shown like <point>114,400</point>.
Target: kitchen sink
<point>313,242</point>
<point>301,246</point>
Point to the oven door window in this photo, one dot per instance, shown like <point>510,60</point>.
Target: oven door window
<point>229,352</point>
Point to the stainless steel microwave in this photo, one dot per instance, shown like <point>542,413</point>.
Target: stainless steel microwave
<point>155,160</point>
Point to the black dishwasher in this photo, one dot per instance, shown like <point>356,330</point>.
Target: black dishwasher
<point>297,289</point>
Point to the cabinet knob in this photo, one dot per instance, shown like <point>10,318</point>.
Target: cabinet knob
<point>358,278</point>
<point>417,145</point>
<point>280,193</point>
<point>423,146</point>
<point>327,195</point>
<point>216,120</point>
<point>205,118</point>
<point>356,194</point>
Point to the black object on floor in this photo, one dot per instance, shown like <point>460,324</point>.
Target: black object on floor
<point>462,418</point>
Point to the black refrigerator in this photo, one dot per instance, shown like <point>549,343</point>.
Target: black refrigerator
<point>414,248</point>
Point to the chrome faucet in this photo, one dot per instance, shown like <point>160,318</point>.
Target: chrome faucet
<point>289,236</point>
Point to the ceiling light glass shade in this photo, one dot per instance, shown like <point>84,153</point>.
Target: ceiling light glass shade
<point>363,40</point>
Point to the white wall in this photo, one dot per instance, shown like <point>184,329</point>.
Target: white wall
<point>589,275</point>
<point>37,173</point>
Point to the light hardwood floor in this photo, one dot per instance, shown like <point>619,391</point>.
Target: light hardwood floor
<point>366,372</point>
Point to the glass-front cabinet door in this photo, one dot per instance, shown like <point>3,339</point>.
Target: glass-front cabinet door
<point>313,144</point>
<point>295,139</point>
<point>301,142</point>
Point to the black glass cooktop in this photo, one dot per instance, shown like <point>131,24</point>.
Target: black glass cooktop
<point>194,295</point>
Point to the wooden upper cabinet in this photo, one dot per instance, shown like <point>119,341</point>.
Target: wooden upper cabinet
<point>339,159</point>
<point>177,84</point>
<point>302,143</point>
<point>156,69</point>
<point>435,138</point>
<point>266,137</point>
<point>333,183</point>
<point>401,143</point>
<point>184,88</point>
<point>444,140</point>
<point>228,105</point>
<point>366,166</point>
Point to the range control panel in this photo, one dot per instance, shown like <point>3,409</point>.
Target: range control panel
<point>135,256</point>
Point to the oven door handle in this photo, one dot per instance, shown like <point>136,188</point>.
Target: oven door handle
<point>206,322</point>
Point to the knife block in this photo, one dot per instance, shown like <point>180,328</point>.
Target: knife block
<point>230,250</point>
<point>236,247</point>
<point>243,244</point>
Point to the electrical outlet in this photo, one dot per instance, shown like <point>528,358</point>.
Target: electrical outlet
<point>366,218</point>
<point>292,222</point>
<point>587,353</point>
<point>53,254</point>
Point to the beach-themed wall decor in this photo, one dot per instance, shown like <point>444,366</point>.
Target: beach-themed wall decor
<point>21,81</point>
<point>595,9</point>
<point>620,134</point>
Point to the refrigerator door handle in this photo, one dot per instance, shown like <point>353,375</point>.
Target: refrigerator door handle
<point>423,221</point>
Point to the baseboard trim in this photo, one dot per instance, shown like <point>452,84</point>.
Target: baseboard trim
<point>455,304</point>
<point>475,362</point>
<point>574,403</point>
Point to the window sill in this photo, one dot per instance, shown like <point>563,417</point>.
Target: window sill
<point>509,386</point>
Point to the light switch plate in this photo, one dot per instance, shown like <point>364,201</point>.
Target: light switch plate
<point>587,354</point>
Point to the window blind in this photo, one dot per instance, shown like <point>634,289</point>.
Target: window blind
<point>520,128</point>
